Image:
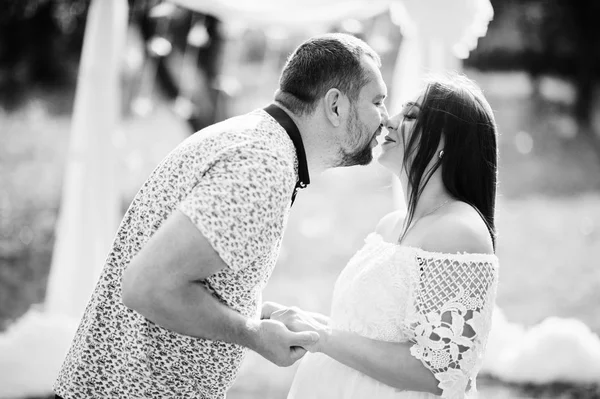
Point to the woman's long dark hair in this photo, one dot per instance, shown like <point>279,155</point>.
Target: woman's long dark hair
<point>454,107</point>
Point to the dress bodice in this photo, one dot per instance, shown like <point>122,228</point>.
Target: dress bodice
<point>441,304</point>
<point>371,292</point>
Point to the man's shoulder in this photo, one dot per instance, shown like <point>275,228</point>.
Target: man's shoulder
<point>254,130</point>
<point>255,121</point>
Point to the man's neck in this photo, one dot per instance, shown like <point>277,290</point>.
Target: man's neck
<point>320,154</point>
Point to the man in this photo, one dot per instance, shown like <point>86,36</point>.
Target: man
<point>178,302</point>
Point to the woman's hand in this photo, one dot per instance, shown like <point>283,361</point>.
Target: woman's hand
<point>298,320</point>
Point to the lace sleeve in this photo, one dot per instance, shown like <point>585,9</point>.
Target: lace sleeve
<point>449,316</point>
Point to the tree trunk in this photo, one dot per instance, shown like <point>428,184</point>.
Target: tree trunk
<point>584,12</point>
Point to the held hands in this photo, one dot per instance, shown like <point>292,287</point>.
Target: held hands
<point>298,321</point>
<point>281,346</point>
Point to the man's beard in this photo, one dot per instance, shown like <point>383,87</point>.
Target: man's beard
<point>362,155</point>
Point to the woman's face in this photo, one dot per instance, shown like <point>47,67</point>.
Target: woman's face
<point>400,127</point>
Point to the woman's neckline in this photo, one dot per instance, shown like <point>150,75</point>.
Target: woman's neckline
<point>461,255</point>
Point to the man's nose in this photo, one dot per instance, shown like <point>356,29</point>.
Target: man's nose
<point>384,116</point>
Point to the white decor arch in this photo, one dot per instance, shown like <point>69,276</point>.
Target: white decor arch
<point>435,32</point>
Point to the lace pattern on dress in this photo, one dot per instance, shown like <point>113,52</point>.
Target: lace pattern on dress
<point>448,315</point>
<point>371,291</point>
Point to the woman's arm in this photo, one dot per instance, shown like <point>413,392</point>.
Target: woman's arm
<point>388,362</point>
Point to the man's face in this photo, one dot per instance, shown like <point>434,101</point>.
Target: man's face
<point>367,115</point>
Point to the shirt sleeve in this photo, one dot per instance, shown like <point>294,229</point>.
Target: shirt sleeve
<point>449,319</point>
<point>241,203</point>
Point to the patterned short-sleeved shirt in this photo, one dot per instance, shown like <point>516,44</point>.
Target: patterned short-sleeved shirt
<point>234,180</point>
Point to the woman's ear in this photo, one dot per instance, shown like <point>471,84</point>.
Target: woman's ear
<point>336,106</point>
<point>442,142</point>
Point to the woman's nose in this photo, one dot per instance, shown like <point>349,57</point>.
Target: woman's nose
<point>393,123</point>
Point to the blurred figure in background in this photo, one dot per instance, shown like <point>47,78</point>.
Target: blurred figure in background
<point>179,299</point>
<point>411,311</point>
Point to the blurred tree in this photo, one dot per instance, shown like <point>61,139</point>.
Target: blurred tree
<point>176,26</point>
<point>547,37</point>
<point>40,42</point>
<point>587,47</point>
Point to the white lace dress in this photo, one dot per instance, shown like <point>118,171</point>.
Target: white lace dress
<point>395,293</point>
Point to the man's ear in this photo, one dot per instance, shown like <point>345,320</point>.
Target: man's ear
<point>336,106</point>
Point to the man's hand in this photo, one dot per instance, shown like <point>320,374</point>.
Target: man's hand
<point>298,320</point>
<point>281,346</point>
<point>269,307</point>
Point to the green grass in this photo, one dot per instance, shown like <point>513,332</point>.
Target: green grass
<point>30,182</point>
<point>548,220</point>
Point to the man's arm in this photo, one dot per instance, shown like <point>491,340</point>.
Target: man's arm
<point>162,283</point>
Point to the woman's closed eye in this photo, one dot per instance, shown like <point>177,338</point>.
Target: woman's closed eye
<point>410,111</point>
<point>410,116</point>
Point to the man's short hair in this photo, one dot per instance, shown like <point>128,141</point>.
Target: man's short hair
<point>320,64</point>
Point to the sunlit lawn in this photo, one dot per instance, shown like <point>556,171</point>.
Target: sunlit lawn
<point>548,221</point>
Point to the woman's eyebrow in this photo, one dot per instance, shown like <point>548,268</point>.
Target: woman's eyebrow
<point>411,104</point>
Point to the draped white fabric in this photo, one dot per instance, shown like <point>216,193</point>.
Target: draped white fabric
<point>436,34</point>
<point>291,14</point>
<point>457,23</point>
<point>90,204</point>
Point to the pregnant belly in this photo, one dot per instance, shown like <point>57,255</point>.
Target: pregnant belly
<point>320,377</point>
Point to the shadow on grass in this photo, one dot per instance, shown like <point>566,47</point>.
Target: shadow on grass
<point>493,388</point>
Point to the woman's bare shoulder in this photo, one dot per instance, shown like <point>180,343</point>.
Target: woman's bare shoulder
<point>389,222</point>
<point>460,230</point>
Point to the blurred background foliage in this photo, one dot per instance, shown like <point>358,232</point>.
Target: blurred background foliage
<point>40,43</point>
<point>538,65</point>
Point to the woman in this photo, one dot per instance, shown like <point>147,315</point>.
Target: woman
<point>412,309</point>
